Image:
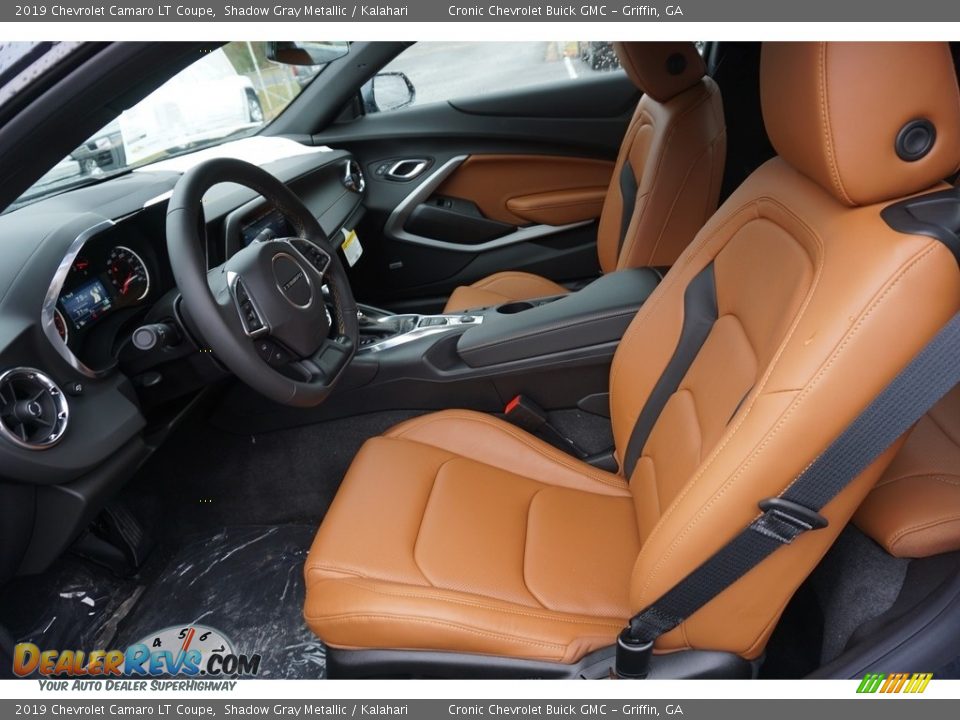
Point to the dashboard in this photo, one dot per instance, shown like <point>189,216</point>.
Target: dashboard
<point>81,274</point>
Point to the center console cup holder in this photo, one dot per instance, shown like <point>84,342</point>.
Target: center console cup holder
<point>514,307</point>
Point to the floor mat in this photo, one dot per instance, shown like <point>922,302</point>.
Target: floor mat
<point>245,582</point>
<point>208,478</point>
<point>73,605</point>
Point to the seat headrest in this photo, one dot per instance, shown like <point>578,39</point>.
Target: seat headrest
<point>662,70</point>
<point>869,122</point>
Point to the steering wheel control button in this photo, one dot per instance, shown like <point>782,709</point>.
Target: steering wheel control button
<point>317,257</point>
<point>271,353</point>
<point>253,324</point>
<point>292,280</point>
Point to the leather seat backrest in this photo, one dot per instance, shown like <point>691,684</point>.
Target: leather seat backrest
<point>668,174</point>
<point>792,308</point>
<point>914,510</point>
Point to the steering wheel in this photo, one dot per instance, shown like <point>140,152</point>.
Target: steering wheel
<point>265,312</point>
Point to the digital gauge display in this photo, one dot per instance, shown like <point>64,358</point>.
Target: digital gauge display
<point>272,224</point>
<point>86,303</point>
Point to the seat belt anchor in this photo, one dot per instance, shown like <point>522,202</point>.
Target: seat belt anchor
<point>785,520</point>
<point>633,656</point>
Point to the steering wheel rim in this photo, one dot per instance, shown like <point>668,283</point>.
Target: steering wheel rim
<point>283,280</point>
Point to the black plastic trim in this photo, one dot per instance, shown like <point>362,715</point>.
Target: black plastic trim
<point>63,511</point>
<point>699,315</point>
<point>701,664</point>
<point>935,215</point>
<point>456,223</point>
<point>598,313</point>
<point>610,94</point>
<point>628,194</point>
<point>915,140</point>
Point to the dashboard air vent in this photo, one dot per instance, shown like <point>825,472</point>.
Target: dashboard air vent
<point>353,178</point>
<point>33,410</point>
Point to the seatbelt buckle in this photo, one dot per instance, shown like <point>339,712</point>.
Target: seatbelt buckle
<point>785,520</point>
<point>525,413</point>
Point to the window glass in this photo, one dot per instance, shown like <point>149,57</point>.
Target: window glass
<point>441,71</point>
<point>226,94</point>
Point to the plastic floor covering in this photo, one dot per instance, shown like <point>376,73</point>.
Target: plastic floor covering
<point>245,582</point>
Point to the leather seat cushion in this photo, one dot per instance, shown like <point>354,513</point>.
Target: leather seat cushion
<point>914,510</point>
<point>502,288</point>
<point>526,552</point>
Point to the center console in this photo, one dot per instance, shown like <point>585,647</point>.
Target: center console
<point>381,330</point>
<point>595,315</point>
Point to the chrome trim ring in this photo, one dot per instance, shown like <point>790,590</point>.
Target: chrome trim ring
<point>53,295</point>
<point>302,273</point>
<point>59,400</point>
<point>352,168</point>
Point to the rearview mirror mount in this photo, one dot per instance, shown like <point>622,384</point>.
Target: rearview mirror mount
<point>306,53</point>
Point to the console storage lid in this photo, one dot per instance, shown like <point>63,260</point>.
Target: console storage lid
<point>596,315</point>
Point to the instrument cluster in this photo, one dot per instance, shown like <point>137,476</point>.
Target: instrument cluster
<point>101,282</point>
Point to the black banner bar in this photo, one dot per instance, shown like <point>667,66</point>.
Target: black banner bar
<point>479,11</point>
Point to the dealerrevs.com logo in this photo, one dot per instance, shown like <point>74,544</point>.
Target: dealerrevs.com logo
<point>911,683</point>
<point>191,650</point>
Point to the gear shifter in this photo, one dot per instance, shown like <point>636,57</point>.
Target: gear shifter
<point>387,326</point>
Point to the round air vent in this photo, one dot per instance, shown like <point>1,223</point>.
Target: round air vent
<point>33,410</point>
<point>353,178</point>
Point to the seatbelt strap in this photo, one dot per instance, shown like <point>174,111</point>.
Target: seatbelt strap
<point>917,388</point>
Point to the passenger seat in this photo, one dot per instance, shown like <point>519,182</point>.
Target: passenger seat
<point>914,510</point>
<point>665,184</point>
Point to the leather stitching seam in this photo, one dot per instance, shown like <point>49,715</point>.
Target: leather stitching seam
<point>428,420</point>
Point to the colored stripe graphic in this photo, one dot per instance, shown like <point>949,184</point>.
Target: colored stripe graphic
<point>871,682</point>
<point>913,683</point>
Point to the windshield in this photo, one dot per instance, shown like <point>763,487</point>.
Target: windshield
<point>229,93</point>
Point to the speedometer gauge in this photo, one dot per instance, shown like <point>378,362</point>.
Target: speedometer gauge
<point>128,274</point>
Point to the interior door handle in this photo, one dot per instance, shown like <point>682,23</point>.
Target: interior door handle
<point>406,169</point>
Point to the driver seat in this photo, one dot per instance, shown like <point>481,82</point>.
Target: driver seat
<point>460,534</point>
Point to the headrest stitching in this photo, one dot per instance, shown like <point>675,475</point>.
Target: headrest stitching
<point>827,127</point>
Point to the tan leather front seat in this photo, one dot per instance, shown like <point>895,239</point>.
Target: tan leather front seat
<point>666,180</point>
<point>456,531</point>
<point>914,510</point>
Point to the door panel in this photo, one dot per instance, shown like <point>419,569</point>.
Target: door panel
<point>493,182</point>
<point>497,187</point>
<point>559,207</point>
